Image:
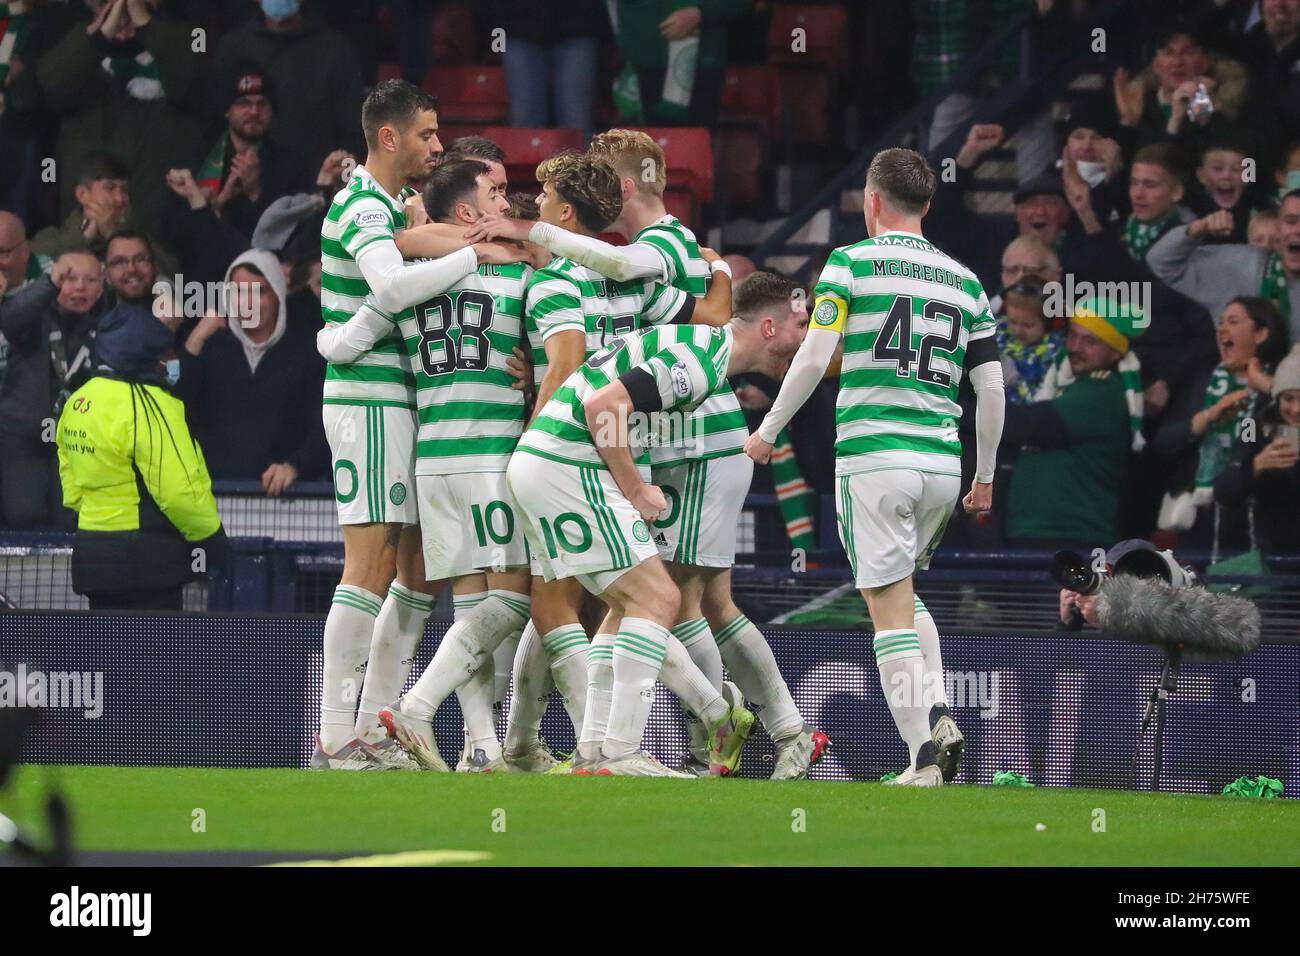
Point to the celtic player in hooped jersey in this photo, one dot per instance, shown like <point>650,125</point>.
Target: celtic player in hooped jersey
<point>470,417</point>
<point>580,476</point>
<point>369,417</point>
<point>910,321</point>
<point>572,312</point>
<point>706,478</point>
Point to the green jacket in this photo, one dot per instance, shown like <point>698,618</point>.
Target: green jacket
<point>638,30</point>
<point>1067,481</point>
<point>124,448</point>
<point>150,136</point>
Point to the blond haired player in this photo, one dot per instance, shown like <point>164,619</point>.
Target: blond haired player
<point>706,476</point>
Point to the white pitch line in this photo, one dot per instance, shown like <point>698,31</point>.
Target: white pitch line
<point>407,858</point>
<point>817,603</point>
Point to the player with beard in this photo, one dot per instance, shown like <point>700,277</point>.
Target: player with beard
<point>369,413</point>
<point>706,477</point>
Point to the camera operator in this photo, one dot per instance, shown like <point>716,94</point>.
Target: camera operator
<point>1081,581</point>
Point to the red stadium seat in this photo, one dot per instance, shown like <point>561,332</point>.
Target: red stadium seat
<point>469,94</point>
<point>742,154</point>
<point>526,147</point>
<point>689,153</point>
<point>681,203</point>
<point>824,39</point>
<point>805,107</point>
<point>752,97</point>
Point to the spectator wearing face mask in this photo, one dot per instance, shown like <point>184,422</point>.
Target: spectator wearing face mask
<point>314,69</point>
<point>1179,340</point>
<point>50,325</point>
<point>134,475</point>
<point>125,82</point>
<point>252,381</point>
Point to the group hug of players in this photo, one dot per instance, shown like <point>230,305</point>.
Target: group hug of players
<point>588,540</point>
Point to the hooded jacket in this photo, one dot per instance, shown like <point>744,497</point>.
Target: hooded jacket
<point>131,470</point>
<point>254,404</point>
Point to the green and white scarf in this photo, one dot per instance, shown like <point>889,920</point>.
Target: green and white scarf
<point>1139,237</point>
<point>1218,441</point>
<point>139,74</point>
<point>1273,285</point>
<point>1060,377</point>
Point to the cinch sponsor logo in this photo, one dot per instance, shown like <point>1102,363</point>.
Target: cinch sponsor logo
<point>74,908</point>
<point>73,690</point>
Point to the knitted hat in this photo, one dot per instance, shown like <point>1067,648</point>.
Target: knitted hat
<point>1116,325</point>
<point>246,78</point>
<point>1091,111</point>
<point>1287,376</point>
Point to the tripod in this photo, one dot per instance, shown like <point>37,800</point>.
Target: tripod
<point>1166,686</point>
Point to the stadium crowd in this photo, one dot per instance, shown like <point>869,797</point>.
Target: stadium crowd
<point>200,142</point>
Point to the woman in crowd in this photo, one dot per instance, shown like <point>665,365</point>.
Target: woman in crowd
<point>1252,340</point>
<point>1264,477</point>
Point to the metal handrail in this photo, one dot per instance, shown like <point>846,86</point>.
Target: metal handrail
<point>1031,88</point>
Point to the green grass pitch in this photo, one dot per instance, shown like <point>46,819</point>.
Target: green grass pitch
<point>523,820</point>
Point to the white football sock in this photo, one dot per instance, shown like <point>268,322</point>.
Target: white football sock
<point>927,633</point>
<point>566,651</point>
<point>475,699</point>
<point>397,633</point>
<point>898,656</point>
<point>696,694</point>
<point>503,662</point>
<point>751,665</point>
<point>639,651</point>
<point>475,695</point>
<point>600,696</point>
<point>468,643</point>
<point>349,627</point>
<point>531,694</point>
<point>698,641</point>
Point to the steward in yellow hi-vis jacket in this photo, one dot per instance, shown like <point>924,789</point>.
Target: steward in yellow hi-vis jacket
<point>147,522</point>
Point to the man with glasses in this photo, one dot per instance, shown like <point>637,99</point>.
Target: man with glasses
<point>129,266</point>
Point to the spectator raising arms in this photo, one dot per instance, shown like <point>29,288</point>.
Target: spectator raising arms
<point>126,83</point>
<point>1214,275</point>
<point>50,325</point>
